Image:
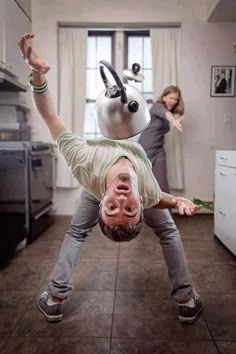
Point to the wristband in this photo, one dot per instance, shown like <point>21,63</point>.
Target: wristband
<point>37,88</point>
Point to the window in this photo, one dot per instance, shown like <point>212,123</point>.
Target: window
<point>99,47</point>
<point>139,51</point>
<point>134,47</point>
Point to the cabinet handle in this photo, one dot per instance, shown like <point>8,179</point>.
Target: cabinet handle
<point>222,213</point>
<point>223,158</point>
<point>223,174</point>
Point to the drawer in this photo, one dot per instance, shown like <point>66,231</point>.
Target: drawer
<point>225,182</point>
<point>226,158</point>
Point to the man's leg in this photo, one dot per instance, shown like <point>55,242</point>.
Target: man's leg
<point>59,287</point>
<point>183,293</point>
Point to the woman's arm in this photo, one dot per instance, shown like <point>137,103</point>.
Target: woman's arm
<point>159,110</point>
<point>176,122</point>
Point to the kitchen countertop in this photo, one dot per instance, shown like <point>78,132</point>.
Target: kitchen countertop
<point>218,147</point>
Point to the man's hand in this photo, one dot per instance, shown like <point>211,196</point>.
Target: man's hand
<point>30,57</point>
<point>185,206</point>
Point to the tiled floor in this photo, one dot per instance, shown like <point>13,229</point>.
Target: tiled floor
<point>121,300</point>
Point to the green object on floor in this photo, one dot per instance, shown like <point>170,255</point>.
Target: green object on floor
<point>206,204</point>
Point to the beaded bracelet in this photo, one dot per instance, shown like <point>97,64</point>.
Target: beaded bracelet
<point>37,88</point>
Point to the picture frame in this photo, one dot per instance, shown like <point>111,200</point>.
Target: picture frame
<point>222,81</point>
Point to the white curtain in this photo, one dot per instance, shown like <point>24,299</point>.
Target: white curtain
<point>166,60</point>
<point>72,81</point>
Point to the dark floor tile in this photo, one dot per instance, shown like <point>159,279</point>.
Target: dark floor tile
<point>154,346</point>
<point>197,242</point>
<point>146,238</point>
<point>2,342</point>
<point>95,276</point>
<point>25,276</point>
<point>35,263</point>
<point>56,345</point>
<point>86,314</point>
<point>209,256</point>
<point>220,316</point>
<point>12,306</point>
<point>40,251</point>
<point>145,254</point>
<point>197,224</point>
<point>152,315</point>
<point>204,219</point>
<point>143,276</point>
<point>226,347</point>
<point>91,253</point>
<point>57,229</point>
<point>214,278</point>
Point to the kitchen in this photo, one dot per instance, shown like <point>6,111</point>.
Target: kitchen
<point>112,272</point>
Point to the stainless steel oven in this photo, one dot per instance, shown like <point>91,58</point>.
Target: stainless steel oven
<point>27,184</point>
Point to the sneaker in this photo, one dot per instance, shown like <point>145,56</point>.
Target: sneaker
<point>53,313</point>
<point>189,314</point>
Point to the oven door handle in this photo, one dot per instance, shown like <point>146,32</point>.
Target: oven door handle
<point>42,212</point>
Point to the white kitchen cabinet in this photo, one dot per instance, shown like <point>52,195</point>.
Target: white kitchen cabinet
<point>225,198</point>
<point>13,23</point>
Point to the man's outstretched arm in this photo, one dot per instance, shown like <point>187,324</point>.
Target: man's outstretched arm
<point>42,100</point>
<point>183,205</point>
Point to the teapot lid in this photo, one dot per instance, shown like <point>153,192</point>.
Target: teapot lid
<point>133,74</point>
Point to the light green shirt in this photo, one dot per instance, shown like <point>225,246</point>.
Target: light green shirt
<point>90,161</point>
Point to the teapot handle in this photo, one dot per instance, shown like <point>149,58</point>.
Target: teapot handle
<point>116,78</point>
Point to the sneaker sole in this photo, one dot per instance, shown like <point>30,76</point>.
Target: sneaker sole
<point>190,319</point>
<point>55,318</point>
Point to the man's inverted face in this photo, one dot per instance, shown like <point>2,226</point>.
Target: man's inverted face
<point>121,204</point>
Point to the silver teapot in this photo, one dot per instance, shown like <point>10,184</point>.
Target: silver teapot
<point>121,110</point>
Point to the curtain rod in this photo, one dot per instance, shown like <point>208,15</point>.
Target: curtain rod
<point>118,26</point>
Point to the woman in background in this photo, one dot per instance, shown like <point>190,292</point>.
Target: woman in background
<point>152,139</point>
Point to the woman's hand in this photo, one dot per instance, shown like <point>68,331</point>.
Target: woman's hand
<point>176,123</point>
<point>185,206</point>
<point>30,57</point>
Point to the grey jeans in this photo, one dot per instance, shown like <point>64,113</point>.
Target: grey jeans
<point>86,216</point>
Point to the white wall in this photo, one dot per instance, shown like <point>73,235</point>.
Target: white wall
<point>203,45</point>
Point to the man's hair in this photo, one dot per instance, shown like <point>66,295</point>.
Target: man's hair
<point>121,233</point>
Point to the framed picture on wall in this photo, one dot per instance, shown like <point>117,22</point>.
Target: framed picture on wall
<point>222,81</point>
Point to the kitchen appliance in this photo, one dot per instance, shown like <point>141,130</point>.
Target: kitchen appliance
<point>27,184</point>
<point>120,109</point>
<point>9,82</point>
<point>12,224</point>
<point>13,122</point>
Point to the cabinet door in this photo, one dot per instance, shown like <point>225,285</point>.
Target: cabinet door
<point>225,211</point>
<point>13,25</point>
<point>225,186</point>
<point>225,228</point>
